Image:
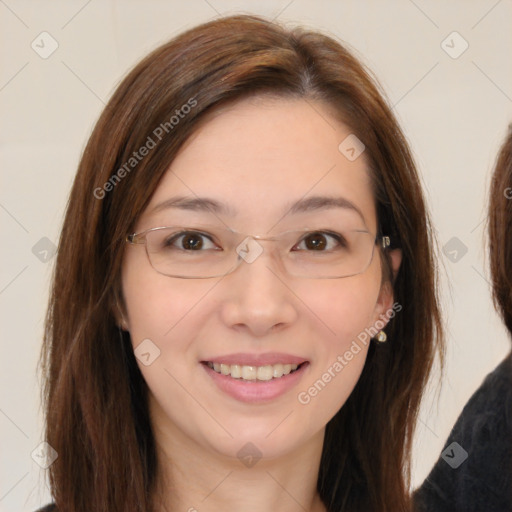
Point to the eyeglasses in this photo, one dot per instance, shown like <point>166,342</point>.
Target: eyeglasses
<point>212,251</point>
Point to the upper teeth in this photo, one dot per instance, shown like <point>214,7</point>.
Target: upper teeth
<point>253,372</point>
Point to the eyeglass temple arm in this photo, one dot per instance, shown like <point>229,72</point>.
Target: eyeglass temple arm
<point>134,239</point>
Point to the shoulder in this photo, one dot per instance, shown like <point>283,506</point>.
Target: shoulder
<point>495,390</point>
<point>475,467</point>
<point>488,413</point>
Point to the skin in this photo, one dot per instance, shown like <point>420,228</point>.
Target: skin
<point>257,156</point>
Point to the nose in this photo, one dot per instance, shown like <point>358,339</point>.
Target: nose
<point>257,298</point>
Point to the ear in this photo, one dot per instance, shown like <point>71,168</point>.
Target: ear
<point>385,299</point>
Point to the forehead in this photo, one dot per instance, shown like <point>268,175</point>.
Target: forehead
<point>259,156</point>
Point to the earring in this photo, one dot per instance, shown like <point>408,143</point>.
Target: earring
<point>381,337</point>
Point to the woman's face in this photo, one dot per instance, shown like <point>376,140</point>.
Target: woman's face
<point>255,160</point>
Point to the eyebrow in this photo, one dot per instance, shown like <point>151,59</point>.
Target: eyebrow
<point>196,204</point>
<point>316,203</point>
<point>304,205</point>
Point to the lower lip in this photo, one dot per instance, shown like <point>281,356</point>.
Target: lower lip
<point>256,391</point>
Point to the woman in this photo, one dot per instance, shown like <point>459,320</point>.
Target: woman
<point>245,217</point>
<point>481,478</point>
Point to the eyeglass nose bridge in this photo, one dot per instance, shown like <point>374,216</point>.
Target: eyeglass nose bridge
<point>250,249</point>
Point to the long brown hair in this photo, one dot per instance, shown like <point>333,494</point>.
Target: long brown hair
<point>500,231</point>
<point>96,399</point>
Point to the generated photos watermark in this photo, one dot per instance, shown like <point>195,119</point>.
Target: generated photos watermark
<point>44,455</point>
<point>454,455</point>
<point>363,338</point>
<point>152,141</point>
<point>147,352</point>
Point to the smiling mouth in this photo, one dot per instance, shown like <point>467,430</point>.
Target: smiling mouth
<point>254,373</point>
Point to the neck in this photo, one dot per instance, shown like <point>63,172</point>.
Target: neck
<point>196,478</point>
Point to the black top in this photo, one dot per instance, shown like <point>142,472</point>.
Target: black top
<point>474,472</point>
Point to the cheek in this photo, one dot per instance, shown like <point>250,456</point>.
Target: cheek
<point>328,389</point>
<point>165,316</point>
<point>159,306</point>
<point>346,307</point>
<point>340,357</point>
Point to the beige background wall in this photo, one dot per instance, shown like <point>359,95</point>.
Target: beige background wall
<point>454,108</point>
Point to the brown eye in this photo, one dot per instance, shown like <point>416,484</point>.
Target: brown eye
<point>315,242</point>
<point>189,241</point>
<point>192,242</point>
<point>322,241</point>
